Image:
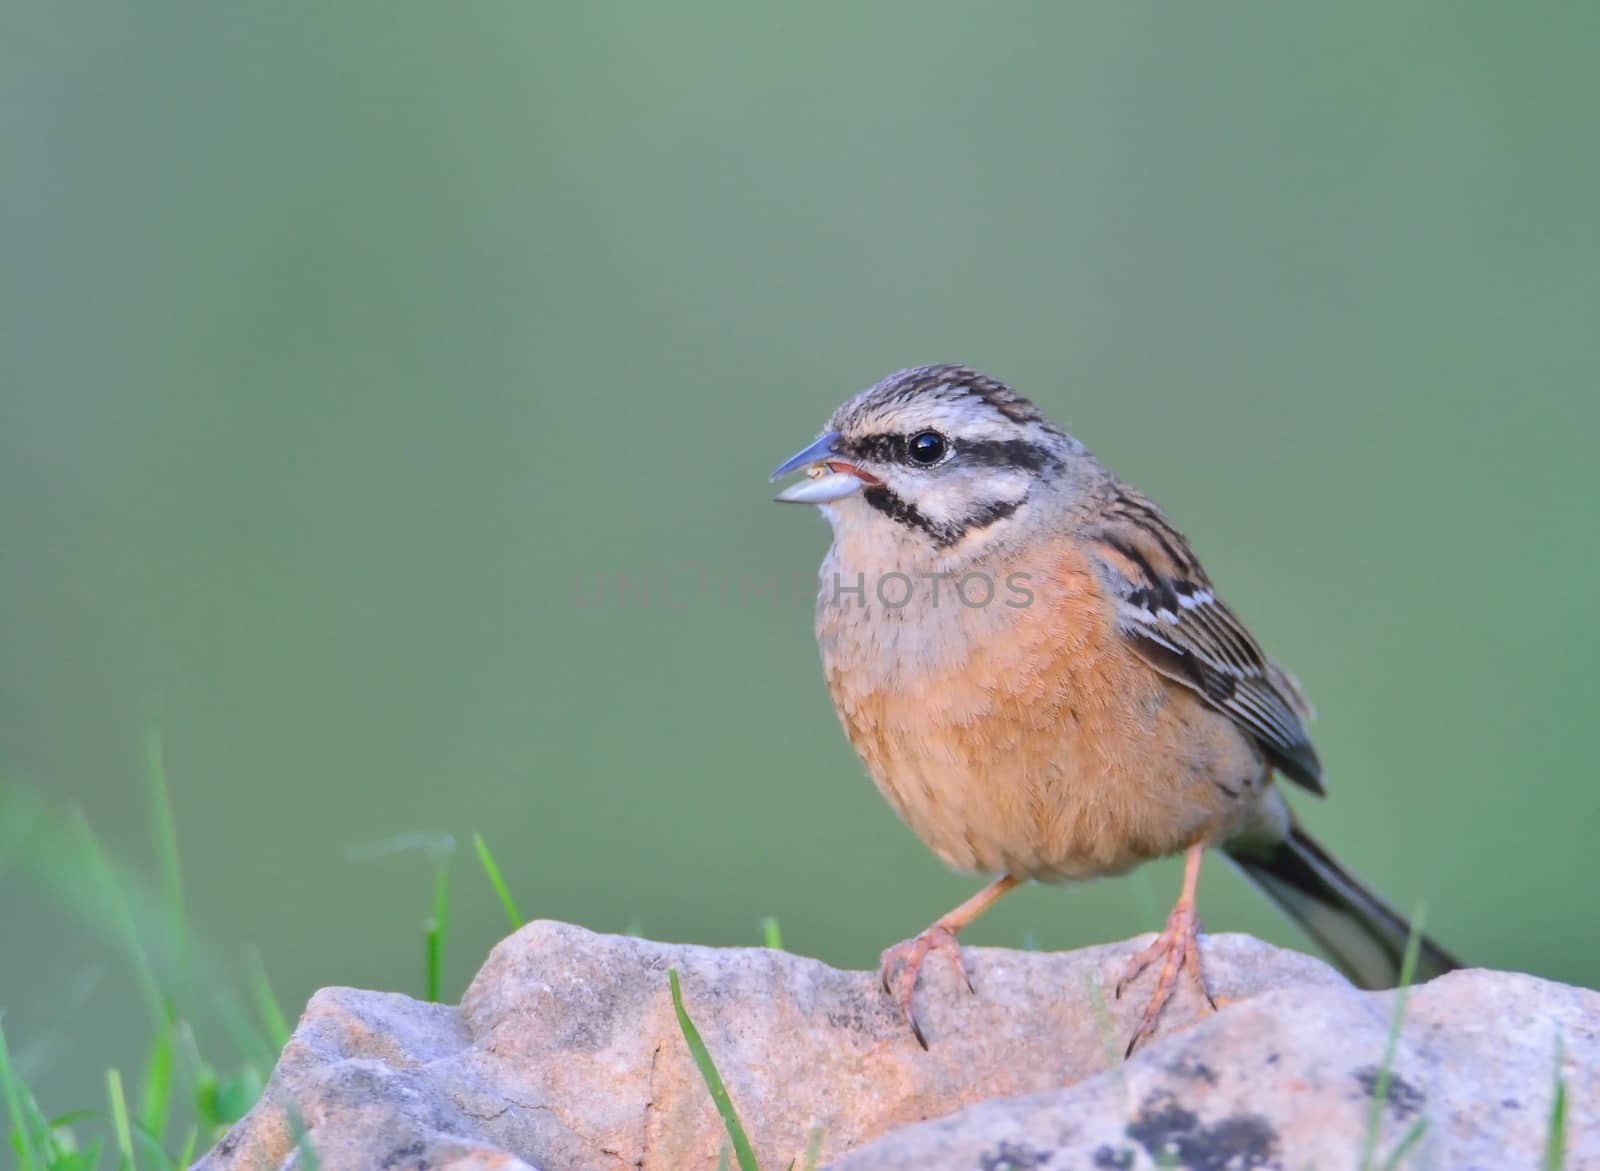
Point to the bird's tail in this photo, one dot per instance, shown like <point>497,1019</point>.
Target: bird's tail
<point>1364,935</point>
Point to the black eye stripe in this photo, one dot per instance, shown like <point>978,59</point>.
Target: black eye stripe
<point>943,534</point>
<point>1012,453</point>
<point>884,449</point>
<point>993,453</point>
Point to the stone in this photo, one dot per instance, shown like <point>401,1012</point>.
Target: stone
<point>1288,1080</point>
<point>565,1055</point>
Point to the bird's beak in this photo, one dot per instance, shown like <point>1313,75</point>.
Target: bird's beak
<point>828,476</point>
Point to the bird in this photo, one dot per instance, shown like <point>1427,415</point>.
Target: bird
<point>1046,686</point>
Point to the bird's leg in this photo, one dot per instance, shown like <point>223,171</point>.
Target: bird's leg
<point>1177,947</point>
<point>941,936</point>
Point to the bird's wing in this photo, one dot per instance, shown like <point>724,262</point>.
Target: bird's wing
<point>1174,620</point>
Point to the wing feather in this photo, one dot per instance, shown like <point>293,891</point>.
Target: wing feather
<point>1172,616</point>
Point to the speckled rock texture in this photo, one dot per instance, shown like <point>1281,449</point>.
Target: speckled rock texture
<point>565,1055</point>
<point>1286,1081</point>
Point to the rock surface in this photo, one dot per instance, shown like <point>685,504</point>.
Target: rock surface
<point>1287,1080</point>
<point>565,1055</point>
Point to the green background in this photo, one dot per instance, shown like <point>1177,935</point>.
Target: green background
<point>346,347</point>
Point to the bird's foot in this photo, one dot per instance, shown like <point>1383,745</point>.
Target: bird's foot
<point>908,957</point>
<point>1177,947</point>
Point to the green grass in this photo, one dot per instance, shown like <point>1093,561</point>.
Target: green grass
<point>40,1144</point>
<point>181,1096</point>
<point>182,1092</point>
<point>121,1128</point>
<point>435,930</point>
<point>1555,1143</point>
<point>151,926</point>
<point>156,1100</point>
<point>302,1142</point>
<point>439,851</point>
<point>266,1001</point>
<point>97,870</point>
<point>496,882</point>
<point>738,1141</point>
<point>164,832</point>
<point>771,934</point>
<point>11,1087</point>
<point>1385,1078</point>
<point>742,1151</point>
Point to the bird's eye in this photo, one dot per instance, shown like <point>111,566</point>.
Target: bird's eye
<point>926,448</point>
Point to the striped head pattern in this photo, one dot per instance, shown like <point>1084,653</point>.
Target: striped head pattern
<point>946,456</point>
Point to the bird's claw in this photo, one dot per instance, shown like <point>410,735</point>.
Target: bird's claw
<point>909,957</point>
<point>1177,947</point>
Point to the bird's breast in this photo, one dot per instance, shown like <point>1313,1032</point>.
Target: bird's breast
<point>1022,736</point>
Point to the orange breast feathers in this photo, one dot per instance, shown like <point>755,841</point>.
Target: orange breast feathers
<point>1040,745</point>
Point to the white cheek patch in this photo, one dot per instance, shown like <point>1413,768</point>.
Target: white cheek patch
<point>950,496</point>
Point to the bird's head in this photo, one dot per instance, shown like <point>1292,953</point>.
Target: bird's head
<point>936,456</point>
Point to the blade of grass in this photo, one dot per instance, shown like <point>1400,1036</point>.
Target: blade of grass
<point>440,849</point>
<point>771,933</point>
<point>162,1009</point>
<point>174,910</point>
<point>202,1079</point>
<point>302,1142</point>
<point>236,1093</point>
<point>114,900</point>
<point>164,832</point>
<point>267,1006</point>
<point>163,1012</point>
<point>153,1149</point>
<point>144,971</point>
<point>742,1150</point>
<point>1555,1142</point>
<point>1380,1087</point>
<point>73,1159</point>
<point>186,1155</point>
<point>13,1091</point>
<point>436,928</point>
<point>434,959</point>
<point>813,1149</point>
<point>492,872</point>
<point>65,854</point>
<point>156,1097</point>
<point>1412,1137</point>
<point>50,1146</point>
<point>71,1118</point>
<point>119,1121</point>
